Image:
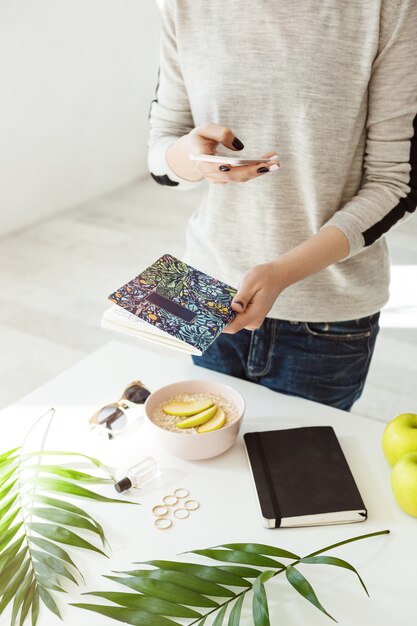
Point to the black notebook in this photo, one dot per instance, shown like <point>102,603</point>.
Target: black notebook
<point>302,478</point>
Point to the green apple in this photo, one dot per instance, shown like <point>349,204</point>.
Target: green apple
<point>404,483</point>
<point>400,437</point>
<point>184,409</point>
<point>217,421</point>
<point>199,418</point>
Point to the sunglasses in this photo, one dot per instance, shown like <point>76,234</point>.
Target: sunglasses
<point>113,419</point>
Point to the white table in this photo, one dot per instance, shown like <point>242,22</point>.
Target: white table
<point>229,510</point>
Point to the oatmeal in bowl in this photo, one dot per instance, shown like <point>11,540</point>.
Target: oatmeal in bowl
<point>195,419</point>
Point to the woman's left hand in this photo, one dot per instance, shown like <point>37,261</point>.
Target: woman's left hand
<point>262,284</point>
<point>257,292</point>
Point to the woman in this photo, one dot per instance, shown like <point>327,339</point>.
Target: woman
<point>331,87</point>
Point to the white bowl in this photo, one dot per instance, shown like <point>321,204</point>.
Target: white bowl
<point>194,446</point>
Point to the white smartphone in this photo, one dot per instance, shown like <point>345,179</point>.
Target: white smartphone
<point>216,158</point>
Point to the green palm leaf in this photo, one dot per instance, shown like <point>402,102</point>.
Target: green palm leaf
<point>64,486</point>
<point>48,600</point>
<point>220,616</point>
<point>27,602</point>
<point>153,605</point>
<point>245,572</point>
<point>60,453</point>
<point>80,477</point>
<point>331,560</point>
<point>260,609</point>
<point>260,548</point>
<point>12,569</point>
<point>166,591</point>
<point>301,584</point>
<point>6,469</point>
<point>6,455</point>
<point>54,550</point>
<point>239,556</point>
<point>215,574</point>
<point>6,506</point>
<point>7,521</point>
<point>136,617</point>
<point>20,596</point>
<point>8,536</point>
<point>48,565</point>
<point>234,617</point>
<point>8,555</point>
<point>35,606</point>
<point>6,475</point>
<point>162,589</point>
<point>33,563</point>
<point>62,535</point>
<point>6,462</point>
<point>7,489</point>
<point>14,585</point>
<point>47,583</point>
<point>189,581</point>
<point>68,519</point>
<point>260,605</point>
<point>71,508</point>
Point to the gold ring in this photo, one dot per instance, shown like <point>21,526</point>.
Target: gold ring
<point>191,505</point>
<point>170,500</point>
<point>181,493</point>
<point>159,510</point>
<point>183,513</point>
<point>163,523</point>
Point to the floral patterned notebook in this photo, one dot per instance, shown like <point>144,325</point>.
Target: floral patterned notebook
<point>177,300</point>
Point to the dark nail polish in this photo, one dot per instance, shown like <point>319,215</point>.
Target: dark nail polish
<point>262,170</point>
<point>237,144</point>
<point>224,168</point>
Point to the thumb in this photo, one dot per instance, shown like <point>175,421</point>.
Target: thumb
<point>220,134</point>
<point>246,290</point>
<point>241,300</point>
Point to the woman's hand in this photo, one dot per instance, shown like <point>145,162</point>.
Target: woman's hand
<point>257,292</point>
<point>262,284</point>
<point>205,139</point>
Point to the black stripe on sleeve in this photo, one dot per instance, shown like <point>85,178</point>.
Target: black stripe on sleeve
<point>156,94</point>
<point>406,204</point>
<point>163,179</point>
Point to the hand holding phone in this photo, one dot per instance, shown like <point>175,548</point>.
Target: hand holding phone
<point>192,157</point>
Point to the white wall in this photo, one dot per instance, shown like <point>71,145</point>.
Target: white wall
<point>77,78</point>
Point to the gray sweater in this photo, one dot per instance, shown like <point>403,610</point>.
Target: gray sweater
<point>332,86</point>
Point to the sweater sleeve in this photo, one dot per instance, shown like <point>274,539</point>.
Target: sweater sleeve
<point>388,194</point>
<point>170,115</point>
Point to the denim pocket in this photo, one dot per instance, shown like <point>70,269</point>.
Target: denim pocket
<point>340,331</point>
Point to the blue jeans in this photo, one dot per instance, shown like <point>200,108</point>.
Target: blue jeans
<point>324,362</point>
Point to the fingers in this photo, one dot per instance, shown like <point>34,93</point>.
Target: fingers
<point>248,320</point>
<point>219,134</point>
<point>205,139</point>
<point>238,304</point>
<point>271,156</point>
<point>257,292</point>
<point>236,174</point>
<point>244,303</point>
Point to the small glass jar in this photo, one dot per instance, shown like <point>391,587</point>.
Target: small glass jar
<point>138,475</point>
